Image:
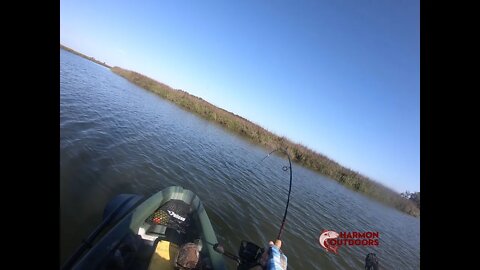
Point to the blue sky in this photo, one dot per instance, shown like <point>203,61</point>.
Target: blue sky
<point>341,77</point>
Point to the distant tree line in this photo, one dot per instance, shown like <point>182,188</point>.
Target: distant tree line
<point>413,196</point>
<point>84,56</point>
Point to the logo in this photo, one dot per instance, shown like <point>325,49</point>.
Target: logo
<point>323,239</point>
<point>175,215</point>
<point>331,241</point>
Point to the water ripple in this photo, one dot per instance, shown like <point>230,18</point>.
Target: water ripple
<point>117,138</point>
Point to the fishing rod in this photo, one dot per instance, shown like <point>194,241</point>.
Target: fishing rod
<point>249,254</point>
<point>289,188</point>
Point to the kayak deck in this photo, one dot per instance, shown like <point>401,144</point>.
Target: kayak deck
<point>151,236</point>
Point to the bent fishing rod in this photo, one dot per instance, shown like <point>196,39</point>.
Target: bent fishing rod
<point>285,168</point>
<point>249,253</point>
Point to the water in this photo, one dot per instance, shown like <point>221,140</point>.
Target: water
<point>118,138</point>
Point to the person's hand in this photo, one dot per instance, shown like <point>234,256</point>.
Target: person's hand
<point>274,258</point>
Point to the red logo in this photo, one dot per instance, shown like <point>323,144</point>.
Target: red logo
<point>331,240</point>
<point>324,238</point>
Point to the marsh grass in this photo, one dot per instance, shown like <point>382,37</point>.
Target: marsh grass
<point>299,153</point>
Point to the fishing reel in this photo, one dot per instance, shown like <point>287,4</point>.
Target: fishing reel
<point>249,254</point>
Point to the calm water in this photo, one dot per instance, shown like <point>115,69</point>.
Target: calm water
<point>118,138</point>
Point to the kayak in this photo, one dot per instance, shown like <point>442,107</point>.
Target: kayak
<point>169,230</point>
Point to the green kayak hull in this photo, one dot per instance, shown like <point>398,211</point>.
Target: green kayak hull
<point>135,223</point>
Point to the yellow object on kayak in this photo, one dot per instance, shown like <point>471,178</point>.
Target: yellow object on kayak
<point>163,256</point>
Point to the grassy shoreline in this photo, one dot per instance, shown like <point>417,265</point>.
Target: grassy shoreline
<point>300,154</point>
<point>84,56</point>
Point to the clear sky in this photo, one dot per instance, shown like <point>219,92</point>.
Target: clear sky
<point>339,76</point>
